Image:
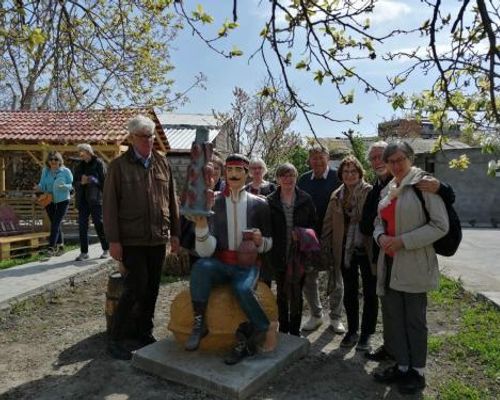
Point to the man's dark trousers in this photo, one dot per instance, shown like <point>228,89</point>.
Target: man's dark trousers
<point>141,285</point>
<point>84,212</point>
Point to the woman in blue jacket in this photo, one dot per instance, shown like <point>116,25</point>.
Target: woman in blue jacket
<point>56,180</point>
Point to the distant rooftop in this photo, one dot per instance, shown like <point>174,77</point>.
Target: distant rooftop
<point>419,145</point>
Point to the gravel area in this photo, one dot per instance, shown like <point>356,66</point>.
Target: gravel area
<point>54,348</point>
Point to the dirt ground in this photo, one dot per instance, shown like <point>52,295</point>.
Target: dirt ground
<point>55,349</point>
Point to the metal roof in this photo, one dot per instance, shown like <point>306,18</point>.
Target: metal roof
<point>180,139</point>
<point>187,120</point>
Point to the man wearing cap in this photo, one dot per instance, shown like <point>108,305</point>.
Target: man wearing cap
<point>320,182</point>
<point>89,181</point>
<point>141,215</point>
<point>217,242</point>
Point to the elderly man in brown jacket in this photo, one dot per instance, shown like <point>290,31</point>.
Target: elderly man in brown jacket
<point>140,216</point>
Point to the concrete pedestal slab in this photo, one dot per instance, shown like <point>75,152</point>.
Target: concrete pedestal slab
<point>206,371</point>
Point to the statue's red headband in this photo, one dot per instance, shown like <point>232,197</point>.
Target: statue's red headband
<point>237,163</point>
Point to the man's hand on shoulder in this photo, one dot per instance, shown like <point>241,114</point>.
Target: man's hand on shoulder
<point>428,184</point>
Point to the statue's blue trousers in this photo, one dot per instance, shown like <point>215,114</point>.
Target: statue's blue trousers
<point>209,272</point>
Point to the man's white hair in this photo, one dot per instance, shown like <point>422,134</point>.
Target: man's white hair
<point>141,123</point>
<point>381,144</point>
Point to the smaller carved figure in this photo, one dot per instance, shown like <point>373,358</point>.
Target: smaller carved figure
<point>196,198</point>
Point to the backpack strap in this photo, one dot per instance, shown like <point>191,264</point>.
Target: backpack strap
<point>420,196</point>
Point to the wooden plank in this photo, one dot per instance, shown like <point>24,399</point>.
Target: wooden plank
<point>22,245</point>
<point>25,236</point>
<point>4,251</point>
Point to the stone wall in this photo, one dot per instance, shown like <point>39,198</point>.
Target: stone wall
<point>477,195</point>
<point>179,163</point>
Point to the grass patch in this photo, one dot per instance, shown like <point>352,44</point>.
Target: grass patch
<point>474,348</point>
<point>457,390</point>
<point>13,262</point>
<point>435,344</point>
<point>18,261</point>
<point>479,336</point>
<point>448,293</point>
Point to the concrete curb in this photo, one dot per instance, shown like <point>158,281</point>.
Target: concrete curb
<point>492,298</point>
<point>59,286</point>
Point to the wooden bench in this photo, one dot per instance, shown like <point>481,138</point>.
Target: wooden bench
<point>22,244</point>
<point>17,238</point>
<point>31,214</point>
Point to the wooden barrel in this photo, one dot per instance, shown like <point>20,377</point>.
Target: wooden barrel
<point>113,293</point>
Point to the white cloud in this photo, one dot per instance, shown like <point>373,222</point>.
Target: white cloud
<point>389,10</point>
<point>441,49</point>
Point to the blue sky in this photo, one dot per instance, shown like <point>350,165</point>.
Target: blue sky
<point>191,56</point>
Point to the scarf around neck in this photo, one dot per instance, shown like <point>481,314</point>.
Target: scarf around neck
<point>394,190</point>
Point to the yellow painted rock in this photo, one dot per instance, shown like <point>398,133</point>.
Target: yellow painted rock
<point>223,316</point>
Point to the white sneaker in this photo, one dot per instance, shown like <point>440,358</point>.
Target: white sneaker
<point>105,254</point>
<point>312,323</point>
<point>82,257</point>
<point>337,326</point>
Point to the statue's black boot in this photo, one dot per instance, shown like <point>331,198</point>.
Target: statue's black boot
<point>199,326</point>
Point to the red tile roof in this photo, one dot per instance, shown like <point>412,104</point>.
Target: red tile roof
<point>89,126</point>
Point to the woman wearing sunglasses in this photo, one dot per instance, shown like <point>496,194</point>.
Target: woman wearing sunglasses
<point>56,180</point>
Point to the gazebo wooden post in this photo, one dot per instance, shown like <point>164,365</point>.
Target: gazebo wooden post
<point>2,173</point>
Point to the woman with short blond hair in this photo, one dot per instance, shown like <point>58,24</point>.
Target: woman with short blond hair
<point>259,186</point>
<point>56,180</point>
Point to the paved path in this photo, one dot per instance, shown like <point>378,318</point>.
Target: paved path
<point>476,264</point>
<point>21,282</point>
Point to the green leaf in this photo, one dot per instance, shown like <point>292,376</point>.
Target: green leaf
<point>461,163</point>
<point>348,98</point>
<point>235,52</point>
<point>35,38</point>
<point>318,76</point>
<point>222,31</point>
<point>398,101</point>
<point>301,65</point>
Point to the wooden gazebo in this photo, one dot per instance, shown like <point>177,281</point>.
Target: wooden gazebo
<point>25,139</point>
<point>36,132</point>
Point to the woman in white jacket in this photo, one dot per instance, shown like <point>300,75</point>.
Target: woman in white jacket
<point>407,266</point>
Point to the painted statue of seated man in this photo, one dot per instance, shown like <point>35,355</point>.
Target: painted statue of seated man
<point>226,258</point>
